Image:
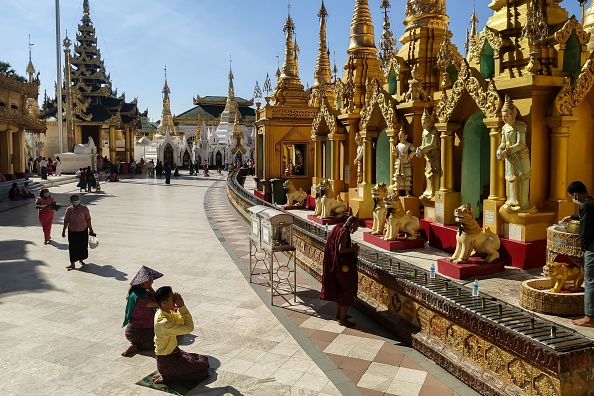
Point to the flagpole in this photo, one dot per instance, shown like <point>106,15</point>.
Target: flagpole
<point>59,78</point>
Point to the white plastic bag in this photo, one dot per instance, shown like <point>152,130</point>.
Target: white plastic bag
<point>93,241</point>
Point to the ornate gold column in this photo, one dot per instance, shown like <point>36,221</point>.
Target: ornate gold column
<point>497,196</point>
<point>368,158</point>
<point>393,143</point>
<point>112,145</point>
<point>337,181</point>
<point>447,199</point>
<point>558,199</point>
<point>127,137</point>
<point>5,152</point>
<point>78,135</point>
<point>18,151</point>
<point>318,155</point>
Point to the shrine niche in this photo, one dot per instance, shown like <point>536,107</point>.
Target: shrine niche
<point>294,159</point>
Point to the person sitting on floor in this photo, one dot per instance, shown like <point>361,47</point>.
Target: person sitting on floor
<point>175,171</point>
<point>25,192</point>
<point>175,365</point>
<point>14,194</point>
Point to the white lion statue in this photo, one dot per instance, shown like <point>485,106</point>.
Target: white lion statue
<point>379,193</point>
<point>398,220</point>
<point>294,195</point>
<point>326,205</point>
<point>471,238</point>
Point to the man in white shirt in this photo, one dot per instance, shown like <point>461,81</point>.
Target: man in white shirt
<point>43,165</point>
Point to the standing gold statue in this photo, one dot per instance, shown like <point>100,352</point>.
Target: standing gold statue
<point>404,151</point>
<point>515,153</point>
<point>431,149</point>
<point>359,158</point>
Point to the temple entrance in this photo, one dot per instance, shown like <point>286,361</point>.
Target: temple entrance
<point>168,154</point>
<point>475,163</point>
<point>218,159</point>
<point>187,158</point>
<point>383,173</point>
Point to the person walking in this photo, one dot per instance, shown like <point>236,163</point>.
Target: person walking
<point>46,205</point>
<point>339,273</point>
<point>150,167</point>
<point>77,220</point>
<point>31,166</point>
<point>159,168</point>
<point>580,196</point>
<point>58,166</point>
<point>167,170</point>
<point>133,168</point>
<point>43,165</point>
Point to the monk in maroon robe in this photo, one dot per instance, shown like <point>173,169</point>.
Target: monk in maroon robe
<point>339,275</point>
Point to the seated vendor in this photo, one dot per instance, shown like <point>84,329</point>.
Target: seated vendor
<point>175,365</point>
<point>14,194</point>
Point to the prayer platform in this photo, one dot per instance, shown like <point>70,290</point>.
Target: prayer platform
<point>475,268</point>
<point>524,255</point>
<point>292,207</point>
<point>328,220</point>
<point>262,195</point>
<point>394,245</point>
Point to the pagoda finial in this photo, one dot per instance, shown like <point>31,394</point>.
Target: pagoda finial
<point>472,38</point>
<point>30,68</point>
<point>322,73</point>
<point>86,7</point>
<point>166,90</point>
<point>289,69</point>
<point>362,37</point>
<point>387,43</point>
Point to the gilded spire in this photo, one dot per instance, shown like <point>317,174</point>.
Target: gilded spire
<point>322,72</point>
<point>231,90</point>
<point>86,7</point>
<point>362,37</point>
<point>425,13</point>
<point>289,68</point>
<point>166,90</point>
<point>472,38</point>
<point>30,67</point>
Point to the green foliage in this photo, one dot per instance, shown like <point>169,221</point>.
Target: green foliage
<point>7,70</point>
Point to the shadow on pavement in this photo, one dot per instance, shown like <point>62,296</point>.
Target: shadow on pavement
<point>18,273</point>
<point>106,271</point>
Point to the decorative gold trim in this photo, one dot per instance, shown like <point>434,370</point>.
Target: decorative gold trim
<point>324,114</point>
<point>377,96</point>
<point>490,36</point>
<point>488,100</point>
<point>572,94</point>
<point>572,25</point>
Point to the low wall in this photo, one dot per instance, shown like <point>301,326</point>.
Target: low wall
<point>465,336</point>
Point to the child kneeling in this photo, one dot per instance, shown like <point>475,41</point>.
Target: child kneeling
<point>175,365</point>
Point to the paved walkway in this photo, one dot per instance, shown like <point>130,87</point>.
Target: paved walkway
<point>60,331</point>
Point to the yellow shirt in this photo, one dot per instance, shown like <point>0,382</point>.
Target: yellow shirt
<point>168,325</point>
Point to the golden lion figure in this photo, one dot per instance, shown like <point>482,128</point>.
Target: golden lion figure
<point>326,205</point>
<point>562,273</point>
<point>471,238</point>
<point>379,193</point>
<point>399,221</point>
<point>294,195</point>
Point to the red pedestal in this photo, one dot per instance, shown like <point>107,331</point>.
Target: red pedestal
<point>310,202</point>
<point>524,255</point>
<point>327,220</point>
<point>395,245</point>
<point>367,223</point>
<point>476,267</point>
<point>292,207</point>
<point>264,196</point>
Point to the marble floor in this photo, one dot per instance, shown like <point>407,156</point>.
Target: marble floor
<point>60,331</point>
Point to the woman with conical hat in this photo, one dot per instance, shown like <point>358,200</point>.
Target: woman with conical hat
<point>140,312</point>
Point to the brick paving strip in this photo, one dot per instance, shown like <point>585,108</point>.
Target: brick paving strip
<point>372,361</point>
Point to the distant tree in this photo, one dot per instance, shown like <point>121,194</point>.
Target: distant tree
<point>7,70</point>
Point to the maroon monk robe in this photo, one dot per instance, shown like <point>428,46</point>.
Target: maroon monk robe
<point>339,274</point>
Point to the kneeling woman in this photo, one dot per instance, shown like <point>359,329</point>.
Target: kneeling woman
<point>140,312</point>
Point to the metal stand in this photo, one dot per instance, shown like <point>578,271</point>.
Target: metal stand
<point>279,272</point>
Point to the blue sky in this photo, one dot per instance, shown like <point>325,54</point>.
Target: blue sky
<point>195,38</point>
